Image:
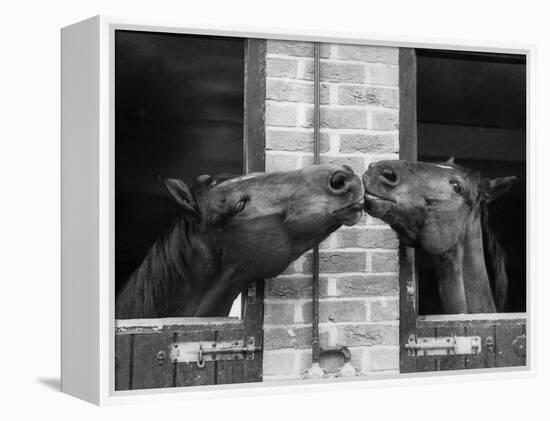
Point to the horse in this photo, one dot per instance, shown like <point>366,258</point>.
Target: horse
<point>233,230</point>
<point>442,208</point>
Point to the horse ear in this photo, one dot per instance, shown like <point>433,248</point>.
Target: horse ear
<point>451,160</point>
<point>181,194</point>
<point>493,189</point>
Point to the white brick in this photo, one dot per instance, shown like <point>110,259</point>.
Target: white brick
<point>282,162</point>
<point>280,114</point>
<point>281,67</point>
<point>382,75</point>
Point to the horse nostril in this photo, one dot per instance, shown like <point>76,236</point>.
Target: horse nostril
<point>389,175</point>
<point>338,181</point>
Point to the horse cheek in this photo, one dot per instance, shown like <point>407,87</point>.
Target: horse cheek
<point>258,252</point>
<point>438,238</point>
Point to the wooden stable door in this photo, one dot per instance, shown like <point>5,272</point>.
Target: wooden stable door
<point>455,341</point>
<point>461,341</point>
<point>159,353</point>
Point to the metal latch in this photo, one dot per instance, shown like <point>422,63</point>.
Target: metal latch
<point>445,345</point>
<point>520,345</point>
<point>200,352</point>
<point>252,293</point>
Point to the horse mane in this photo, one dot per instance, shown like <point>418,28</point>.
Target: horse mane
<point>152,287</point>
<point>496,256</point>
<point>163,275</point>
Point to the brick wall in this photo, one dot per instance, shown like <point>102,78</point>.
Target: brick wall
<point>359,305</point>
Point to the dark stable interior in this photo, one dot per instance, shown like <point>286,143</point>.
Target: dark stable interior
<point>473,106</point>
<point>178,113</point>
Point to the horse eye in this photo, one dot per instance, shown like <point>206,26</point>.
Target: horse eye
<point>457,187</point>
<point>240,206</point>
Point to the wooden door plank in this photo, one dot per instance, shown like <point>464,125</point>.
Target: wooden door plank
<point>407,150</point>
<point>426,363</point>
<point>176,324</point>
<point>526,356</point>
<point>228,372</point>
<point>254,143</point>
<point>150,371</point>
<point>505,335</point>
<point>452,319</point>
<point>408,133</point>
<point>254,104</point>
<point>486,358</point>
<point>124,347</point>
<point>451,362</point>
<point>407,306</point>
<point>254,319</point>
<point>189,374</point>
<point>497,332</point>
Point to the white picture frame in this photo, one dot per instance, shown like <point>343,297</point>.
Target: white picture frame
<point>88,204</point>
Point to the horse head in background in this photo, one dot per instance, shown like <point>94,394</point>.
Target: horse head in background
<point>233,230</point>
<point>443,209</point>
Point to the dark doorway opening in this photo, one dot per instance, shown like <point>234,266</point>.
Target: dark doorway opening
<point>179,110</point>
<point>473,106</point>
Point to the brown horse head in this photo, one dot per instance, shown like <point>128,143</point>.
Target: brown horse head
<point>236,230</point>
<point>442,209</point>
<point>265,220</point>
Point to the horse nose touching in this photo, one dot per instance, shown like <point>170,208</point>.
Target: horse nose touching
<point>384,172</point>
<point>343,180</point>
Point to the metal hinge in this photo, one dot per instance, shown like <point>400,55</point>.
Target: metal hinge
<point>445,345</point>
<point>200,352</point>
<point>251,293</point>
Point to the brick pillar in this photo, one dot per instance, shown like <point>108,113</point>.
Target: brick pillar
<point>359,305</point>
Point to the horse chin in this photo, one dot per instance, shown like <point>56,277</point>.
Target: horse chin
<point>377,208</point>
<point>350,214</point>
<point>352,218</point>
